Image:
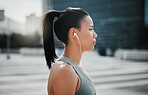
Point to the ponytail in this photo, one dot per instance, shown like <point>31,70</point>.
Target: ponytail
<point>48,36</point>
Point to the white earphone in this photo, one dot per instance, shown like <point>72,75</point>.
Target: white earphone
<point>75,34</point>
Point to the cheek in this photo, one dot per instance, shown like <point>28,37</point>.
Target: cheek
<point>88,36</point>
<point>87,40</point>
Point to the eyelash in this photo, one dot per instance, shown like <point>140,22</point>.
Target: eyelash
<point>90,29</point>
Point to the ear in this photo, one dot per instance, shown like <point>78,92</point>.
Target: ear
<point>71,33</point>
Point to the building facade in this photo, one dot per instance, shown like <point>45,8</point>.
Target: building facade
<point>47,4</point>
<point>8,26</point>
<point>32,24</point>
<point>118,23</point>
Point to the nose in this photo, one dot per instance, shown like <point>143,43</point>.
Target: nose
<point>95,35</point>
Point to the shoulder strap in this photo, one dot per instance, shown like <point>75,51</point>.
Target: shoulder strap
<point>85,82</point>
<point>76,68</point>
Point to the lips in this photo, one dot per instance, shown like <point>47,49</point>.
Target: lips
<point>94,42</point>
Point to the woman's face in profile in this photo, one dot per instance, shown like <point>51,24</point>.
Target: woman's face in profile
<point>87,34</point>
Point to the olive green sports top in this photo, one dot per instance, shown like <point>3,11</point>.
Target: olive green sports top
<point>86,86</point>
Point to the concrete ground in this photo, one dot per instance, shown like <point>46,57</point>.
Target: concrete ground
<point>135,90</point>
<point>27,75</point>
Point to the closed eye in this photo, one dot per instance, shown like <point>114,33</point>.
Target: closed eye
<point>90,29</point>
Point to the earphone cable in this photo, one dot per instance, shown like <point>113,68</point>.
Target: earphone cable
<point>82,56</point>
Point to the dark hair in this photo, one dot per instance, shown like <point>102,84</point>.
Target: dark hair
<point>67,19</point>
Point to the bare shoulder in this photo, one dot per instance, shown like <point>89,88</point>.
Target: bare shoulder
<point>63,78</point>
<point>61,69</point>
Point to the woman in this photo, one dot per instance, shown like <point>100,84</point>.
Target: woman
<point>73,27</point>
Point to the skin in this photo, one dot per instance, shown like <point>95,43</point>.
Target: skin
<point>63,80</point>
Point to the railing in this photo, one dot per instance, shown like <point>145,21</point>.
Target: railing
<point>31,51</point>
<point>141,55</point>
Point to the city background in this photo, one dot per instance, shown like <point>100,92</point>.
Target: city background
<point>118,64</point>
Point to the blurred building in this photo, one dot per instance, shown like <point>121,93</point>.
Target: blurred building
<point>118,23</point>
<point>11,26</point>
<point>1,15</point>
<point>32,24</point>
<point>146,12</point>
<point>47,4</point>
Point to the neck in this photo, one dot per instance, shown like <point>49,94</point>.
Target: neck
<point>73,53</point>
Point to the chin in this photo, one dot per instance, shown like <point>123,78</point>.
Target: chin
<point>90,49</point>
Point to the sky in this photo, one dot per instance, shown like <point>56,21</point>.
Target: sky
<point>17,10</point>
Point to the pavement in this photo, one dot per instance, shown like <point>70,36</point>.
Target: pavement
<point>28,74</point>
<point>133,90</point>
